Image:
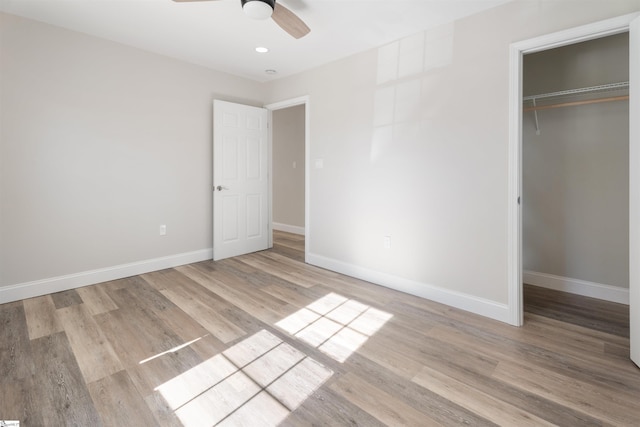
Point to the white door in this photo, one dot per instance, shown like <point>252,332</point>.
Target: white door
<point>634,190</point>
<point>240,179</point>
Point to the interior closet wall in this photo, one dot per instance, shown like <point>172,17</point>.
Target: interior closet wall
<point>288,168</point>
<point>576,171</point>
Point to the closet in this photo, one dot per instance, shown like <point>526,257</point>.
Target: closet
<point>575,168</point>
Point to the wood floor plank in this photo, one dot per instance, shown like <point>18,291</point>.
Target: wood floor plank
<point>119,403</point>
<point>382,405</point>
<point>114,285</point>
<point>439,408</point>
<point>327,407</point>
<point>155,305</point>
<point>296,267</point>
<point>261,410</point>
<point>618,351</point>
<point>18,400</point>
<point>596,401</point>
<point>292,240</point>
<point>391,357</point>
<point>66,298</point>
<point>151,351</point>
<point>219,401</point>
<point>183,388</point>
<point>575,332</point>
<point>163,414</point>
<point>243,319</point>
<point>96,299</point>
<point>94,353</point>
<point>288,251</point>
<point>293,294</point>
<point>544,334</point>
<point>201,305</point>
<point>273,364</point>
<point>266,311</point>
<point>62,395</point>
<point>134,331</point>
<point>42,319</point>
<point>278,271</point>
<point>595,314</point>
<point>184,325</point>
<point>217,325</point>
<point>299,383</point>
<point>576,367</point>
<point>15,337</point>
<point>459,365</point>
<point>406,357</point>
<point>208,346</point>
<point>148,375</point>
<point>149,294</point>
<point>476,401</point>
<point>250,275</point>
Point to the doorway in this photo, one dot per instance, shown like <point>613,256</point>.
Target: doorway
<point>627,23</point>
<point>575,169</point>
<point>289,148</point>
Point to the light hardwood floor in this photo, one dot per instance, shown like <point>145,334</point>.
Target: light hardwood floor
<point>264,339</point>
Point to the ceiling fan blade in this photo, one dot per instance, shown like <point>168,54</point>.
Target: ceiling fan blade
<point>289,22</point>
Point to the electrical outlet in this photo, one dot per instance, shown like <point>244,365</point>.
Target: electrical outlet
<point>387,242</point>
<point>163,230</point>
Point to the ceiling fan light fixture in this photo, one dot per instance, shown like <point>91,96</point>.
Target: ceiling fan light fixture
<point>258,9</point>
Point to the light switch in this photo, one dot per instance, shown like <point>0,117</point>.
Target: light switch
<point>319,163</point>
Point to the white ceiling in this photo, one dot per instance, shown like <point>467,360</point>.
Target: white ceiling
<point>217,34</point>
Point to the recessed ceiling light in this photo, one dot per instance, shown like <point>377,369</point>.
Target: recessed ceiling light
<point>261,49</point>
<point>270,71</point>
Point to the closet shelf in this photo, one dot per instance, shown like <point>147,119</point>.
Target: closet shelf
<point>578,91</point>
<point>600,89</point>
<point>611,87</point>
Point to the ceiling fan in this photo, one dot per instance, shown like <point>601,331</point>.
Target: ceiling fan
<point>263,9</point>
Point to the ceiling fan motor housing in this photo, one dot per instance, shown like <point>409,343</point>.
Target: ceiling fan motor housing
<point>258,9</point>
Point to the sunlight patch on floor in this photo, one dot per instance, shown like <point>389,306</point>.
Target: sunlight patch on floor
<point>173,350</point>
<point>336,325</point>
<point>258,381</point>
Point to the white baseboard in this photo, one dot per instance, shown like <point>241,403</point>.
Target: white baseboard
<point>576,286</point>
<point>288,228</point>
<point>474,304</point>
<point>86,278</point>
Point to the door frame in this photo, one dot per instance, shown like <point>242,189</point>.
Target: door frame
<point>587,32</point>
<point>301,100</point>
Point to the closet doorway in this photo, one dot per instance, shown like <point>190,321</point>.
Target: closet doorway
<point>289,142</point>
<point>627,24</point>
<point>575,174</point>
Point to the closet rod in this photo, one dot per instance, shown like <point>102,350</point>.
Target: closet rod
<point>571,104</point>
<point>610,86</point>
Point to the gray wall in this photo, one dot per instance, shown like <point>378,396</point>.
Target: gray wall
<point>576,172</point>
<point>288,179</point>
<point>100,144</point>
<point>414,141</point>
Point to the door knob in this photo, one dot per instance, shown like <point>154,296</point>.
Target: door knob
<point>220,188</point>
